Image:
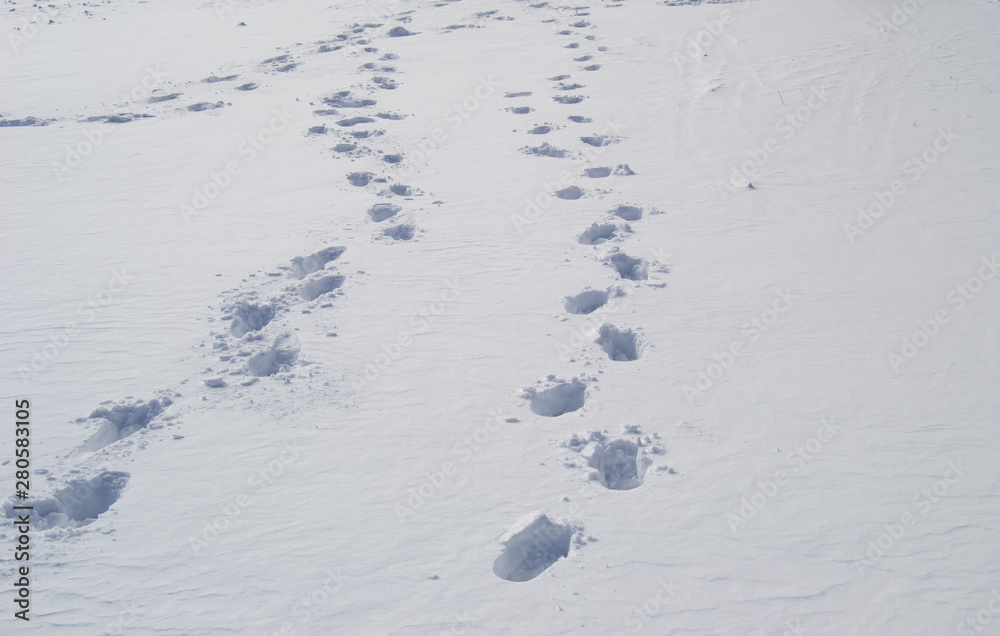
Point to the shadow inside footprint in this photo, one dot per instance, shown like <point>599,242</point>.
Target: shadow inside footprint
<point>587,302</point>
<point>629,268</point>
<point>403,232</point>
<point>571,193</point>
<point>598,233</point>
<point>621,345</point>
<point>248,317</point>
<point>564,397</point>
<point>79,503</point>
<point>628,212</point>
<point>316,288</point>
<point>302,266</point>
<point>618,464</point>
<point>382,211</point>
<point>360,179</point>
<point>279,357</point>
<point>597,173</point>
<point>532,546</point>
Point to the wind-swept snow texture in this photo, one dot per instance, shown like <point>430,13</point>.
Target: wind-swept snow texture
<point>306,296</point>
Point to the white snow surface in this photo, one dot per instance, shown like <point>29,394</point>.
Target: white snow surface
<point>519,351</point>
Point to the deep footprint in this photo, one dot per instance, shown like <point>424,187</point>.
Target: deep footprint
<point>621,345</point>
<point>79,503</point>
<point>628,267</point>
<point>598,233</point>
<point>382,211</point>
<point>531,546</point>
<point>587,302</point>
<point>248,317</point>
<point>302,266</point>
<point>619,464</point>
<point>570,194</point>
<point>628,212</point>
<point>316,288</point>
<point>360,179</point>
<point>562,398</point>
<point>403,232</point>
<point>120,421</point>
<point>281,356</point>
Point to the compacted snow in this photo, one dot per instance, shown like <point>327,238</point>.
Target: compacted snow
<point>495,317</point>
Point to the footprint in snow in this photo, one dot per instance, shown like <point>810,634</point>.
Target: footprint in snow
<point>590,300</point>
<point>302,266</point>
<point>621,345</point>
<point>313,289</point>
<point>627,212</point>
<point>360,179</point>
<point>533,545</point>
<point>558,399</point>
<point>545,150</point>
<point>599,233</point>
<point>402,232</point>
<point>119,421</point>
<point>383,211</point>
<point>628,268</point>
<point>571,193</point>
<point>619,464</point>
<point>79,503</point>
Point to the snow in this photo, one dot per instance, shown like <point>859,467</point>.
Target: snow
<point>498,317</point>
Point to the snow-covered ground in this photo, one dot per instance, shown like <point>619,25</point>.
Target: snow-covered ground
<point>459,317</point>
